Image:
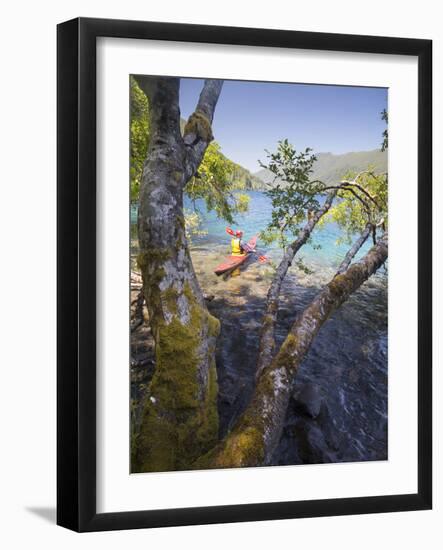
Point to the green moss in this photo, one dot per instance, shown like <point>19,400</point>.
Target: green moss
<point>170,297</point>
<point>177,176</point>
<point>152,256</point>
<point>199,125</point>
<point>182,224</point>
<point>335,286</point>
<point>243,447</point>
<point>178,423</point>
<point>285,355</point>
<point>268,321</point>
<point>214,326</point>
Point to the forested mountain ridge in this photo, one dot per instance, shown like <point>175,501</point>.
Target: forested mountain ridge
<point>243,178</point>
<point>330,168</point>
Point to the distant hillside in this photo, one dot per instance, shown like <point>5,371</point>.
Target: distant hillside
<point>328,168</point>
<point>242,178</point>
<point>331,168</point>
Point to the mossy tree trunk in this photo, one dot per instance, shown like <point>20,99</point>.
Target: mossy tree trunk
<point>255,437</point>
<point>180,420</point>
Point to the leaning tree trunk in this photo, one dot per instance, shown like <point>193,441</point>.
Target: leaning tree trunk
<point>267,334</point>
<point>255,437</point>
<point>180,420</point>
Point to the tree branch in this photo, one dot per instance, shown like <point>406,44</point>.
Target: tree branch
<point>345,186</point>
<point>198,130</point>
<point>363,190</point>
<point>355,248</point>
<point>353,183</point>
<point>209,97</point>
<point>267,335</point>
<point>357,196</point>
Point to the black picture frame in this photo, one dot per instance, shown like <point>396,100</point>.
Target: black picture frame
<point>76,281</point>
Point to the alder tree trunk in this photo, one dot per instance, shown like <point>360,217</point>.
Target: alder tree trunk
<point>267,334</point>
<point>255,437</point>
<point>180,419</point>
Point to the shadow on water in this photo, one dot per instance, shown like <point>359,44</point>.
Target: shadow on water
<point>237,351</point>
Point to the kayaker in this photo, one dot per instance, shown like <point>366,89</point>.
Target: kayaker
<point>236,244</point>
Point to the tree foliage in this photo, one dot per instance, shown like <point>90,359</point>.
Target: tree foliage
<point>384,116</point>
<point>213,183</point>
<point>193,225</point>
<point>361,198</point>
<point>366,201</point>
<point>294,194</point>
<point>139,135</point>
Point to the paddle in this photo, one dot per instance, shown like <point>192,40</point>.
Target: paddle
<point>261,257</point>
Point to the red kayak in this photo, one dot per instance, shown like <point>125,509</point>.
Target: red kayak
<point>231,262</point>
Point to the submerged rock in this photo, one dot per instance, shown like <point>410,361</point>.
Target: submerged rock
<point>317,449</point>
<point>307,399</point>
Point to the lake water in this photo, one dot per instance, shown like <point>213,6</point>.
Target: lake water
<point>255,220</point>
<point>346,368</point>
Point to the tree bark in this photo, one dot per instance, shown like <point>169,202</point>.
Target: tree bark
<point>254,438</point>
<point>180,420</point>
<point>267,334</point>
<point>354,249</point>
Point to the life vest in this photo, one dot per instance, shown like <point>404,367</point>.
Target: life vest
<point>236,247</point>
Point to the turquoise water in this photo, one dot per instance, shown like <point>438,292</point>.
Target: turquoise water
<point>256,219</point>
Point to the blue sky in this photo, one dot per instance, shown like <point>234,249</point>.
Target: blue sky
<point>253,116</point>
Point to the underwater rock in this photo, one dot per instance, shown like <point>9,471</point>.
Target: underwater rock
<point>307,399</point>
<point>317,449</point>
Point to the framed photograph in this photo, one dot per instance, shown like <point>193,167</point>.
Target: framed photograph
<point>244,274</point>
